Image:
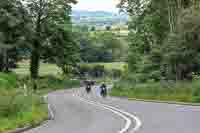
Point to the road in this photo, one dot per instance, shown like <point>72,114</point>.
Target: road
<point>77,112</point>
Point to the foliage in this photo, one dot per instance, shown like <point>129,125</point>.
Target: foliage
<point>181,48</point>
<point>8,81</point>
<point>163,39</point>
<point>102,70</point>
<point>13,21</point>
<point>47,17</point>
<point>101,47</point>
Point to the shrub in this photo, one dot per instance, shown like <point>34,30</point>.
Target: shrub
<point>8,81</point>
<point>100,70</point>
<point>97,71</point>
<point>116,73</point>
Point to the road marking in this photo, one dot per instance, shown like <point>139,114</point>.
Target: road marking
<point>49,108</point>
<point>137,120</point>
<point>118,112</point>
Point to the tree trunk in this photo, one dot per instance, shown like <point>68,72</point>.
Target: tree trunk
<point>1,60</point>
<point>5,60</point>
<point>35,60</point>
<point>35,54</point>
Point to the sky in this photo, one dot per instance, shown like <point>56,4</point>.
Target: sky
<point>96,5</point>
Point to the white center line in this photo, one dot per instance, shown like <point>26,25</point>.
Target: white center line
<point>118,112</point>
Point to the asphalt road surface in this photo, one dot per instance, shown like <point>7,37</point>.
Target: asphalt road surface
<point>76,112</point>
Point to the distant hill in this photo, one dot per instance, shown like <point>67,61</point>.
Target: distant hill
<point>97,18</point>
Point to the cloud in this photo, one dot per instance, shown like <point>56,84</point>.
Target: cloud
<point>94,5</point>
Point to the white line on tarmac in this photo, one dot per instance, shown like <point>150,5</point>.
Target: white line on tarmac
<point>49,108</point>
<point>118,112</point>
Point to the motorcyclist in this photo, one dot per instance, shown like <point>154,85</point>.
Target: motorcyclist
<point>89,85</point>
<point>103,90</point>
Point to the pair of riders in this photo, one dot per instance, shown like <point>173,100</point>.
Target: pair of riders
<point>101,90</point>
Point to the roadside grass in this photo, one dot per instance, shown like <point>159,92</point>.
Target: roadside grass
<point>50,83</point>
<point>177,92</point>
<point>20,106</point>
<point>23,111</point>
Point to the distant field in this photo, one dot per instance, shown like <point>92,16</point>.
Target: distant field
<point>109,66</point>
<point>52,69</point>
<point>45,69</point>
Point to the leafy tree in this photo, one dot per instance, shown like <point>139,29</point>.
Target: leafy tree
<point>162,38</point>
<point>108,28</point>
<point>46,15</point>
<point>65,50</point>
<point>93,28</point>
<point>13,21</point>
<point>102,47</point>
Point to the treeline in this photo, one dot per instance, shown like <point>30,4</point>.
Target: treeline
<point>164,39</point>
<point>37,29</point>
<point>100,46</point>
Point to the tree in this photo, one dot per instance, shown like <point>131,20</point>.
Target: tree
<point>13,21</point>
<point>45,16</point>
<point>93,28</point>
<point>163,36</point>
<point>101,47</point>
<point>65,50</point>
<point>181,51</point>
<point>108,28</point>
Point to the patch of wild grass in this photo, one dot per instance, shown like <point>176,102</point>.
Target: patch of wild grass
<point>19,111</point>
<point>166,91</point>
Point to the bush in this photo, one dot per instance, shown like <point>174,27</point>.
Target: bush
<point>8,81</point>
<point>83,70</point>
<point>99,70</point>
<point>116,73</point>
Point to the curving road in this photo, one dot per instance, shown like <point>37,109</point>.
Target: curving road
<point>76,112</point>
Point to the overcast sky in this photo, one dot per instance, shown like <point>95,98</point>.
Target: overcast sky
<point>96,5</point>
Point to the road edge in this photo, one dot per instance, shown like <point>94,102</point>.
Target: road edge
<point>165,102</point>
<point>51,116</point>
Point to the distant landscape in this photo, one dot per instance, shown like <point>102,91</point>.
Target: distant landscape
<point>98,18</point>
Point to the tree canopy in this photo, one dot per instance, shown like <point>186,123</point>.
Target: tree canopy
<point>164,38</point>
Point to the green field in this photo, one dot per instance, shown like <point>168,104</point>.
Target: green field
<point>109,66</point>
<point>45,69</point>
<point>52,69</point>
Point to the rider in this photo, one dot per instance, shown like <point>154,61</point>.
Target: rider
<point>103,90</point>
<point>89,86</point>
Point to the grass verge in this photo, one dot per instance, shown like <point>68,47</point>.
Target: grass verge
<point>177,92</point>
<point>20,106</point>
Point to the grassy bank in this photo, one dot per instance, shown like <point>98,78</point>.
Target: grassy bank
<point>21,111</point>
<point>165,91</point>
<point>20,106</point>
